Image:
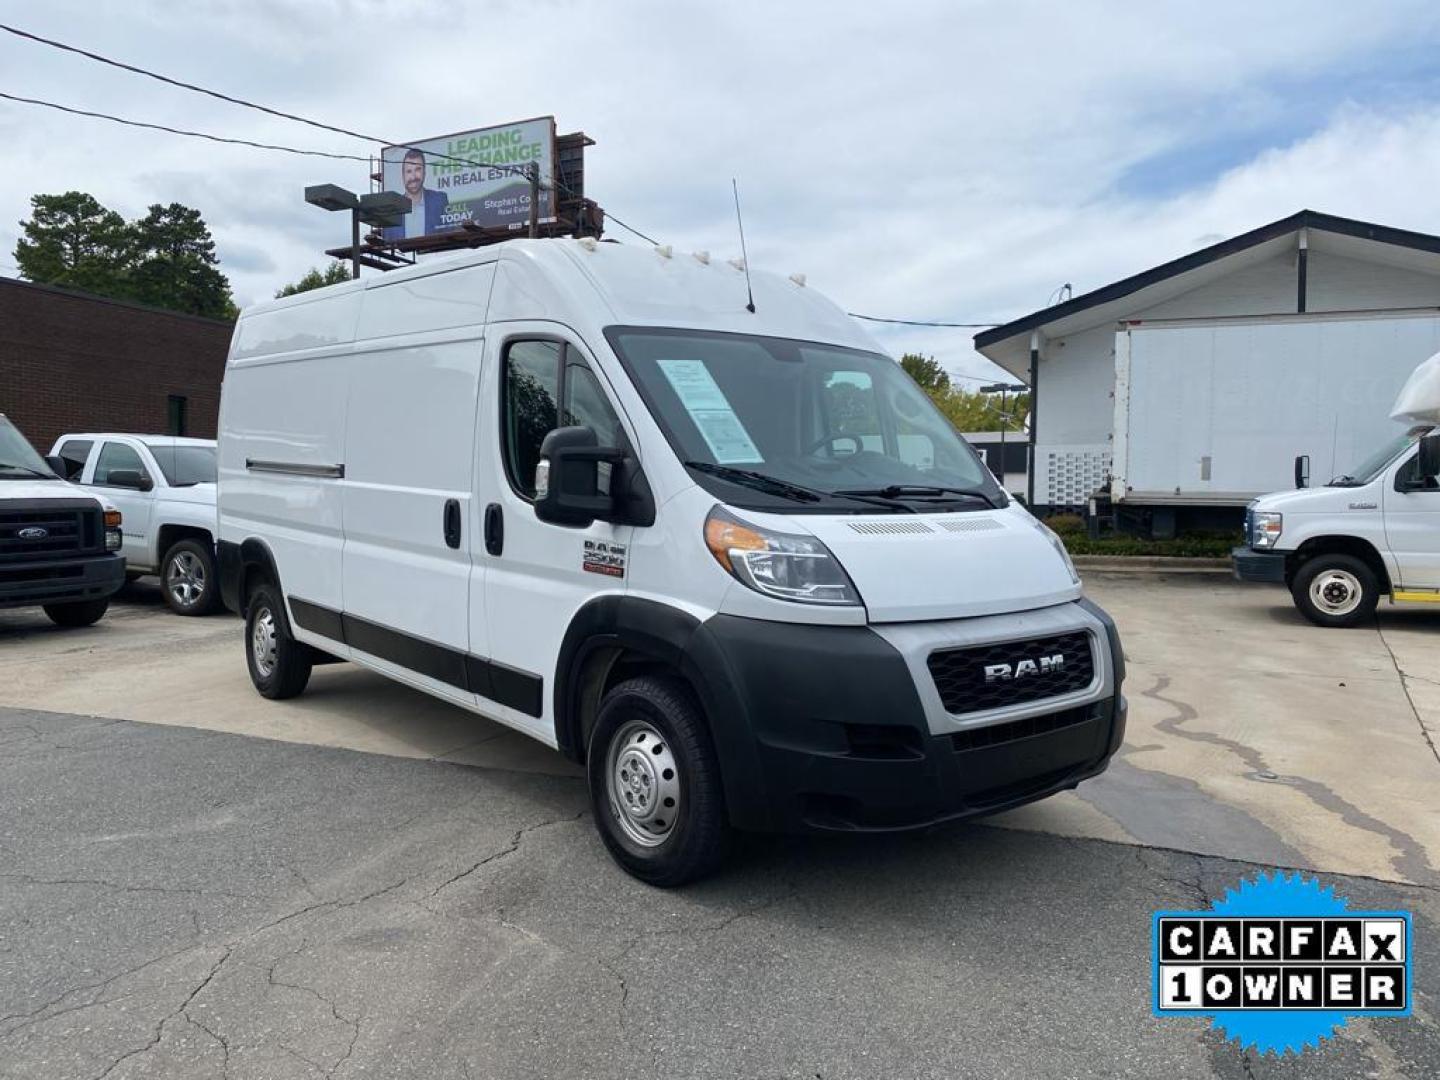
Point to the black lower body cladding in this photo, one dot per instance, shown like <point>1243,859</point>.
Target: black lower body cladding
<point>826,731</point>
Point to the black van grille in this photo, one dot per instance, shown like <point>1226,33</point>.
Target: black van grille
<point>1022,671</point>
<point>36,535</point>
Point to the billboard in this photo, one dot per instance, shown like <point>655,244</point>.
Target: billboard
<point>472,176</point>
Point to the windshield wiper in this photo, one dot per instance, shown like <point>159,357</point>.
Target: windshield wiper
<point>919,491</point>
<point>26,469</point>
<point>773,485</point>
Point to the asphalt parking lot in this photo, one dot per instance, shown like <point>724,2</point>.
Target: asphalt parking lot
<point>365,882</point>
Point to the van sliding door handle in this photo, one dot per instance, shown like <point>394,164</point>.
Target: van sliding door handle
<point>494,529</point>
<point>452,522</point>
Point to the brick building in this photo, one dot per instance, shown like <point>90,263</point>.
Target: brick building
<point>71,361</point>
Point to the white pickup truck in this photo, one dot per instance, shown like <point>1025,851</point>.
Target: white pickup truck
<point>164,486</point>
<point>1368,533</point>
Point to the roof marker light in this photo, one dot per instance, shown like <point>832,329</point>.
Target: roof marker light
<point>702,257</point>
<point>665,251</point>
<point>738,264</point>
<point>798,279</point>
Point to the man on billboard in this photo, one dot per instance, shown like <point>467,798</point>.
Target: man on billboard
<point>426,205</point>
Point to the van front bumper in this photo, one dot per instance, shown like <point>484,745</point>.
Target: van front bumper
<point>823,729</point>
<point>60,581</point>
<point>1263,566</point>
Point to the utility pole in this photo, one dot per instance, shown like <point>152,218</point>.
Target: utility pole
<point>1002,389</point>
<point>534,171</point>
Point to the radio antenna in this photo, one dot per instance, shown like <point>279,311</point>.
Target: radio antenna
<point>744,256</point>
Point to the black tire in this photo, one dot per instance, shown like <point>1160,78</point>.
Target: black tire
<point>1336,590</point>
<point>281,671</point>
<point>694,842</point>
<point>77,613</point>
<point>188,579</point>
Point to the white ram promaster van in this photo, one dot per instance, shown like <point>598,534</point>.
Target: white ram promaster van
<point>1370,532</point>
<point>734,562</point>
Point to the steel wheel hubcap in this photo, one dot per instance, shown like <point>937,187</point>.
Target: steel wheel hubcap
<point>642,783</point>
<point>185,578</point>
<point>1336,592</point>
<point>262,642</point>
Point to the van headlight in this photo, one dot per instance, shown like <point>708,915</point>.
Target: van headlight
<point>787,566</point>
<point>1265,529</point>
<point>1059,546</point>
<point>113,536</point>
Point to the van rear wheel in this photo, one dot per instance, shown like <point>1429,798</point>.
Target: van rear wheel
<point>1336,590</point>
<point>279,665</point>
<point>655,783</point>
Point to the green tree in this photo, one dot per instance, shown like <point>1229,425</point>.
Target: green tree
<point>167,258</point>
<point>333,274</point>
<point>175,263</point>
<point>72,240</point>
<point>926,372</point>
<point>974,411</point>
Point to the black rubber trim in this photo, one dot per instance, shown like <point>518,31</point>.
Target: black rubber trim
<point>231,568</point>
<point>520,690</point>
<point>1264,566</point>
<point>1112,635</point>
<point>317,619</point>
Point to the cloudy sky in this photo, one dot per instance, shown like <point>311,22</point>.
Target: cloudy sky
<point>954,161</point>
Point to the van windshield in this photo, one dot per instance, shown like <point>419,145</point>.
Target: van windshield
<point>786,425</point>
<point>18,459</point>
<point>1368,469</point>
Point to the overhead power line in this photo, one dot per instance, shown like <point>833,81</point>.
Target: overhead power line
<point>921,322</point>
<point>180,131</point>
<point>233,100</point>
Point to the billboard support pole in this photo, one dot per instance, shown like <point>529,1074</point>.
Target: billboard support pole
<point>534,171</point>
<point>355,243</point>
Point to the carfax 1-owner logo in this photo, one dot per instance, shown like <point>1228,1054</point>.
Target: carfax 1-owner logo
<point>1280,963</point>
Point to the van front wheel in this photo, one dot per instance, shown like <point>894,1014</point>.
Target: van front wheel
<point>655,783</point>
<point>279,665</point>
<point>1336,590</point>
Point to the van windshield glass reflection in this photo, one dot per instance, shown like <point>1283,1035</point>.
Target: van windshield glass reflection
<point>819,427</point>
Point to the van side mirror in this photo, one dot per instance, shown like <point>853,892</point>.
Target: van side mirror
<point>1427,457</point>
<point>130,478</point>
<point>567,488</point>
<point>1302,471</point>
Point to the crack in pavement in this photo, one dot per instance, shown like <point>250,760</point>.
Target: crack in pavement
<point>1405,686</point>
<point>509,849</point>
<point>352,1023</point>
<point>225,955</point>
<point>1410,859</point>
<point>224,1043</point>
<point>29,879</point>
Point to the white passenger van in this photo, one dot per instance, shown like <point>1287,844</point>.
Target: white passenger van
<point>735,562</point>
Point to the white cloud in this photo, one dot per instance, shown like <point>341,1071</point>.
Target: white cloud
<point>948,160</point>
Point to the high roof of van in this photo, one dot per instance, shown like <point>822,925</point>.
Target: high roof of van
<point>591,285</point>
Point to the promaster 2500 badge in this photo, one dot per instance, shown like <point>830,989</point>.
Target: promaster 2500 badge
<point>604,558</point>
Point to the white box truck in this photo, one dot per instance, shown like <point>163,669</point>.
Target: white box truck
<point>1372,531</point>
<point>731,559</point>
<point>1211,413</point>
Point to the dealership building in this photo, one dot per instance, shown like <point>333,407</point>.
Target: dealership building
<point>72,361</point>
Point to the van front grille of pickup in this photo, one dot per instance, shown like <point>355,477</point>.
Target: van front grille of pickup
<point>985,677</point>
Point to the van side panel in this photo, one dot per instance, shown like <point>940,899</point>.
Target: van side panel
<point>411,449</point>
<point>281,420</point>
